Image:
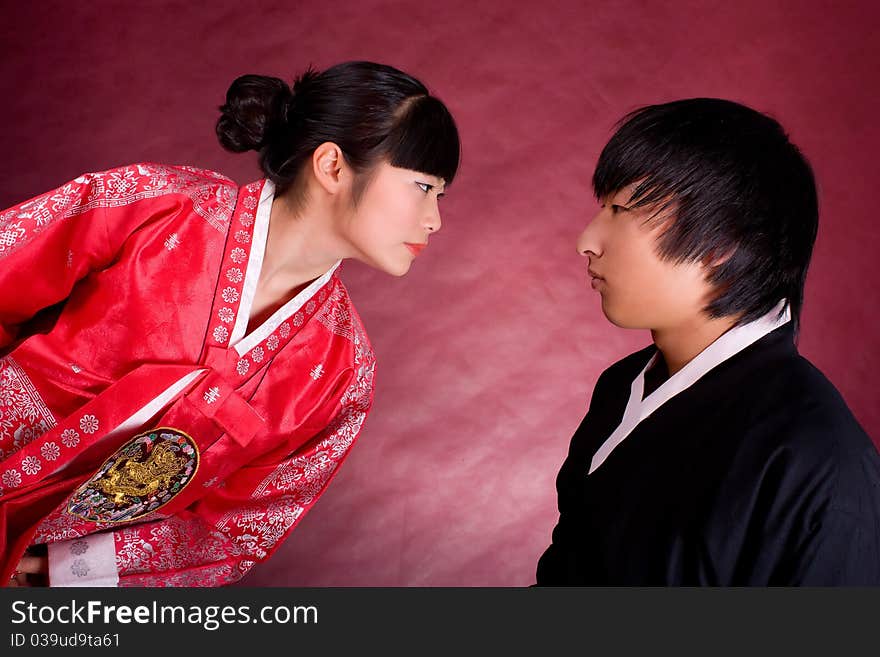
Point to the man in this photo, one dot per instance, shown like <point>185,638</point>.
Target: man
<point>718,455</point>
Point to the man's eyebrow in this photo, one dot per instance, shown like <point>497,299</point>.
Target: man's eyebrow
<point>619,194</point>
<point>630,191</point>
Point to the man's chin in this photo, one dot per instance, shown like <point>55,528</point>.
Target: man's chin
<point>620,319</point>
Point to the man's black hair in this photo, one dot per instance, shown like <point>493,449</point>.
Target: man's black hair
<point>743,197</point>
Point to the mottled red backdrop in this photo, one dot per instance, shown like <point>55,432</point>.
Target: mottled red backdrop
<point>489,348</point>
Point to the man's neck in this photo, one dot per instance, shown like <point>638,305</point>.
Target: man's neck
<point>679,345</point>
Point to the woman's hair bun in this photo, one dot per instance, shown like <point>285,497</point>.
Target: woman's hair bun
<point>256,107</point>
<point>373,112</point>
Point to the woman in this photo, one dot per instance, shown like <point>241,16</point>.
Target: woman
<point>180,383</point>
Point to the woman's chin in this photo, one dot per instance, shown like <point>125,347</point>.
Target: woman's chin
<point>398,269</point>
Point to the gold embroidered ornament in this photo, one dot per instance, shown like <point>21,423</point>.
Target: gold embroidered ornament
<point>142,476</point>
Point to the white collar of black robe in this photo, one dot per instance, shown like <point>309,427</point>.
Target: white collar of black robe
<point>729,344</point>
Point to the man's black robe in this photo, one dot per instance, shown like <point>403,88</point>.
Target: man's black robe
<point>757,474</point>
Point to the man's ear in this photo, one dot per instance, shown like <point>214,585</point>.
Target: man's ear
<point>330,168</point>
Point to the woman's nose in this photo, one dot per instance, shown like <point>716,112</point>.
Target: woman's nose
<point>432,221</point>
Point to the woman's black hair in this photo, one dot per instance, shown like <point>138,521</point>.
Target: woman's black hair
<point>740,192</point>
<point>371,111</point>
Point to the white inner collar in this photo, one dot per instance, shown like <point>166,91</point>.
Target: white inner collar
<point>243,343</point>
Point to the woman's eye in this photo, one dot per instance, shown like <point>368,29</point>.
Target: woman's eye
<point>425,187</point>
<point>617,208</point>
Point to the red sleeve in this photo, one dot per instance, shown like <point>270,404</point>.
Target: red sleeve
<point>52,241</point>
<point>46,245</point>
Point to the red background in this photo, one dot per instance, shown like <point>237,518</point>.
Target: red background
<point>489,348</point>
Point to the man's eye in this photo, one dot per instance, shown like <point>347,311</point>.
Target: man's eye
<point>425,187</point>
<point>617,208</point>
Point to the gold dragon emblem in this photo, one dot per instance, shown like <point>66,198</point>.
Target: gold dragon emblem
<point>132,478</point>
<point>139,478</point>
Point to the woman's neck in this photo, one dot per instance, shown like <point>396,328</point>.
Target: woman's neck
<point>300,247</point>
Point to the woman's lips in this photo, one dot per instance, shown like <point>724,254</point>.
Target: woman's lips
<point>415,249</point>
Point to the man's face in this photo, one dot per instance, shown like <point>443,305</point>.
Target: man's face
<point>638,288</point>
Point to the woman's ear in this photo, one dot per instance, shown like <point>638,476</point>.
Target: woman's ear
<point>330,168</point>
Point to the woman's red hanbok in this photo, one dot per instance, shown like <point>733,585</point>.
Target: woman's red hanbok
<point>145,435</point>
